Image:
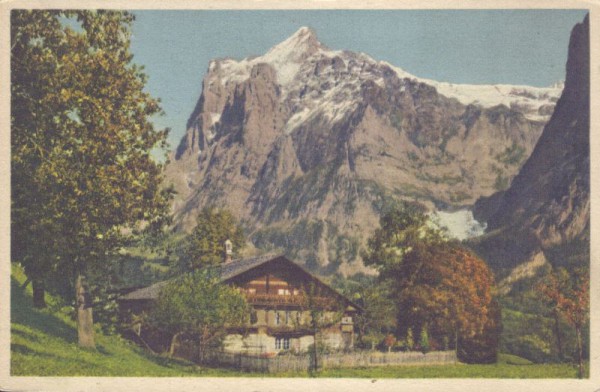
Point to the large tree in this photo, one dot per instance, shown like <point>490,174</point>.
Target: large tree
<point>82,170</point>
<point>204,246</point>
<point>438,287</point>
<point>36,40</point>
<point>378,317</point>
<point>198,304</point>
<point>401,228</point>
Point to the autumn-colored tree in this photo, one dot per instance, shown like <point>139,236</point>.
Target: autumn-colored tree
<point>449,289</point>
<point>434,283</point>
<point>81,139</point>
<point>483,346</point>
<point>568,293</point>
<point>204,246</point>
<point>198,304</point>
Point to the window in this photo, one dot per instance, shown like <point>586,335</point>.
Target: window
<point>277,318</point>
<point>287,317</point>
<point>282,343</point>
<point>252,291</point>
<point>283,292</point>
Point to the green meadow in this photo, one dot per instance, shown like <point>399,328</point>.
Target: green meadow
<point>44,343</point>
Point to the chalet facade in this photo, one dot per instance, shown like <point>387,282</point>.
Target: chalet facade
<point>281,295</point>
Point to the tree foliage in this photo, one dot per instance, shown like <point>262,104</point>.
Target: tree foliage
<point>435,284</point>
<point>198,304</point>
<point>323,312</point>
<point>482,347</point>
<point>204,246</point>
<point>401,228</point>
<point>378,316</point>
<point>81,140</point>
<point>568,294</point>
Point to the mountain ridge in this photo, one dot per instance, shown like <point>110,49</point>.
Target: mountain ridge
<point>326,139</point>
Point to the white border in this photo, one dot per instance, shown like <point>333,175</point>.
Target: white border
<point>280,384</point>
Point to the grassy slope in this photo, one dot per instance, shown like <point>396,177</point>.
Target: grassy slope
<point>44,343</point>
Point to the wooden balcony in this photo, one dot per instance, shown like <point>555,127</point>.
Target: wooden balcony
<point>298,301</point>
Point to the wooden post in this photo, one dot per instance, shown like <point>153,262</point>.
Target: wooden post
<point>85,322</point>
<point>39,297</point>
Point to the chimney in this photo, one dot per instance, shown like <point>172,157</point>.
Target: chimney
<point>228,251</point>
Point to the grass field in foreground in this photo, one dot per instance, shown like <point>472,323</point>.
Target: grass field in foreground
<point>502,369</point>
<point>44,343</point>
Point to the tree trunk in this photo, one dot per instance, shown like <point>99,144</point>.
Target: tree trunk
<point>203,345</point>
<point>558,335</point>
<point>39,297</point>
<point>456,342</point>
<point>359,338</point>
<point>173,342</point>
<point>579,351</point>
<point>315,351</point>
<point>85,322</point>
<point>200,349</point>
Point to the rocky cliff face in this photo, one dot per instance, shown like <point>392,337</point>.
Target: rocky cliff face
<point>547,205</point>
<point>307,145</point>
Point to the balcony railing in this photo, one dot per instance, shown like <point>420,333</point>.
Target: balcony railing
<point>295,300</point>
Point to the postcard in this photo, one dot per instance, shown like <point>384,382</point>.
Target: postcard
<point>306,195</point>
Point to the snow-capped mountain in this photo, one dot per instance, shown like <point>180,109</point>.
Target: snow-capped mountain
<point>293,59</point>
<point>307,145</point>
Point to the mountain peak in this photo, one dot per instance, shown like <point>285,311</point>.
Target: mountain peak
<point>302,42</point>
<point>305,35</point>
<point>305,32</point>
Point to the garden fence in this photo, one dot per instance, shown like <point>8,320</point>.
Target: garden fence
<point>302,363</point>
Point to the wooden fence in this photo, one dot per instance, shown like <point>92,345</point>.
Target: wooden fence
<point>370,358</point>
<point>278,364</point>
<point>302,363</point>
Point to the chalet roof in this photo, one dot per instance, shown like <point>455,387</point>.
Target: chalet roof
<point>237,267</point>
<point>227,271</point>
<point>146,293</point>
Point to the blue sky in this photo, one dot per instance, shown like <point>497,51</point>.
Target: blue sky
<point>459,46</point>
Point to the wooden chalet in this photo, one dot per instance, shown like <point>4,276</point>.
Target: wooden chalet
<point>281,294</point>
